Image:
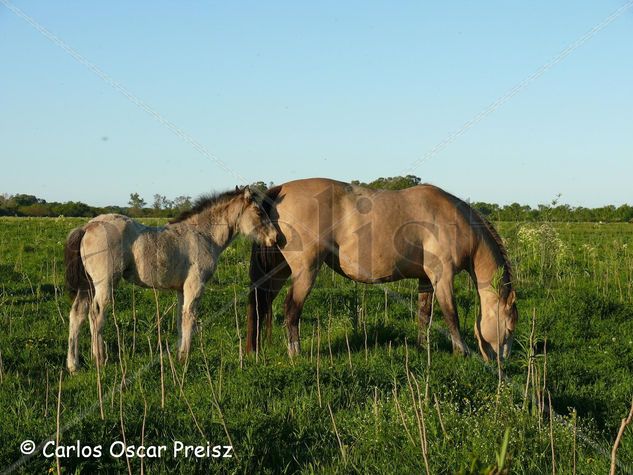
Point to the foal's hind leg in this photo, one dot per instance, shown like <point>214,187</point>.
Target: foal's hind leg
<point>97,314</point>
<point>78,313</point>
<point>425,303</point>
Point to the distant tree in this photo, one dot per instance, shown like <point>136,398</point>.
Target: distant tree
<point>25,200</point>
<point>136,201</point>
<point>5,205</point>
<point>182,203</point>
<point>487,209</point>
<point>108,209</point>
<point>260,186</point>
<point>161,202</point>
<point>391,183</point>
<point>161,206</point>
<point>158,202</point>
<point>136,204</point>
<point>514,212</point>
<point>36,210</point>
<point>625,213</point>
<point>73,208</point>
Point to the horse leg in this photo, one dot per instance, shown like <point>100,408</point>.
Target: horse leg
<point>78,313</point>
<point>264,297</point>
<point>446,299</point>
<point>192,291</point>
<point>425,302</point>
<point>269,272</point>
<point>301,287</point>
<point>179,309</point>
<point>102,252</point>
<point>97,313</point>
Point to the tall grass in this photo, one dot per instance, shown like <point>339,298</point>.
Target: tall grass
<point>366,401</point>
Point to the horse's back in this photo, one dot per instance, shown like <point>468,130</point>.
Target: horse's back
<point>370,235</point>
<point>337,209</point>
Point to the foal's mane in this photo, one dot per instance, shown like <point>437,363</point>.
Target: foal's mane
<point>205,202</point>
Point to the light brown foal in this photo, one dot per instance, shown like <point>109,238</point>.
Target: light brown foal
<point>180,256</point>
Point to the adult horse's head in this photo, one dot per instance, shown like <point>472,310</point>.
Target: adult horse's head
<point>254,222</point>
<point>495,326</point>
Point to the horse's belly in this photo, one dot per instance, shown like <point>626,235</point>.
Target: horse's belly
<point>376,268</point>
<point>154,277</point>
<point>156,264</point>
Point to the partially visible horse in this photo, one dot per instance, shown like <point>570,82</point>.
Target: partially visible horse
<point>181,256</point>
<point>373,236</point>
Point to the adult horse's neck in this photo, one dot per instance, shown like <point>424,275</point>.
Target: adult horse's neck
<point>490,266</point>
<point>218,223</point>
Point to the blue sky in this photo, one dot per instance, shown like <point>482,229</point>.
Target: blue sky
<point>287,90</point>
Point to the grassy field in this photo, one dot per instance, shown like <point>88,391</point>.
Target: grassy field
<point>361,398</point>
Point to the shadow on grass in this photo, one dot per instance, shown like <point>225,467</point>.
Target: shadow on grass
<point>382,334</point>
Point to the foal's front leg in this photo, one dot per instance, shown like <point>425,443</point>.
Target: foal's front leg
<point>181,299</point>
<point>192,291</point>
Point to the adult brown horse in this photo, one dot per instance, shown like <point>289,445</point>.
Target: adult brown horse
<point>373,236</point>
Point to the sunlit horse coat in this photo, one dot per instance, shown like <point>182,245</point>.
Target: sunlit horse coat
<point>376,236</point>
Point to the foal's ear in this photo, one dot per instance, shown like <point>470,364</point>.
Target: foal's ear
<point>247,192</point>
<point>512,297</point>
<point>237,188</point>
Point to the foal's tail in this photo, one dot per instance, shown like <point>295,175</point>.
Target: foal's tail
<point>77,280</point>
<point>265,262</point>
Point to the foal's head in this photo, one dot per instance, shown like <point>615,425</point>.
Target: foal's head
<point>254,222</point>
<point>495,327</point>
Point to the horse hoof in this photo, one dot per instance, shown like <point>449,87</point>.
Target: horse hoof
<point>461,351</point>
<point>182,357</point>
<point>293,349</point>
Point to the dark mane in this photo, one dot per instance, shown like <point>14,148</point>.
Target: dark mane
<point>497,238</point>
<point>205,202</point>
<point>469,213</point>
<point>268,198</point>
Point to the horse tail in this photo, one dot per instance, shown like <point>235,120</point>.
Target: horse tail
<point>263,266</point>
<point>77,279</point>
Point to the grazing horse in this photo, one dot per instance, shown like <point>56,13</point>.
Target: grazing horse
<point>181,255</point>
<point>374,236</point>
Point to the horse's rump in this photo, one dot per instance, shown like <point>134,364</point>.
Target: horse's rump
<point>77,280</point>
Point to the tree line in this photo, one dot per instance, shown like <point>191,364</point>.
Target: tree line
<point>163,207</point>
<point>30,205</point>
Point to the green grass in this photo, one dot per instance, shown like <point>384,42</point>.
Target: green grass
<point>357,353</point>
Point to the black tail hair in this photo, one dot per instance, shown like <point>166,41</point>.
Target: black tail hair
<point>77,280</point>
